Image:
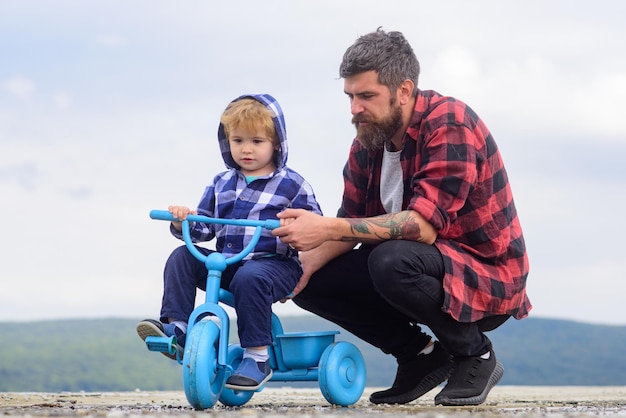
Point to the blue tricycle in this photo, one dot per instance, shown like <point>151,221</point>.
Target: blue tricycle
<point>208,360</point>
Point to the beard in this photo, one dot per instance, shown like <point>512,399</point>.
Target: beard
<point>377,133</point>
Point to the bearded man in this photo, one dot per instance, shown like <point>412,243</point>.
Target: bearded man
<point>427,233</point>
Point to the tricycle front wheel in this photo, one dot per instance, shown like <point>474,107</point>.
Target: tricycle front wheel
<point>203,378</point>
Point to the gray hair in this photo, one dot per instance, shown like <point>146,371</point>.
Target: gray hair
<point>387,53</point>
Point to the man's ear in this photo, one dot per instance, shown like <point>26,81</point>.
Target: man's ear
<point>405,91</point>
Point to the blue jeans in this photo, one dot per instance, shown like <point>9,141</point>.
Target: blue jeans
<point>381,294</point>
<point>255,284</point>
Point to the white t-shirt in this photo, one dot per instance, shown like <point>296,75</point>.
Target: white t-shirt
<point>391,184</point>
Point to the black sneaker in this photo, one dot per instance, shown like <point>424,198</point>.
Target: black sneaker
<point>471,381</point>
<point>151,328</point>
<point>416,377</point>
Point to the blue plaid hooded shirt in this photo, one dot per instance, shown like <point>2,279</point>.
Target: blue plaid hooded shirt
<point>230,196</point>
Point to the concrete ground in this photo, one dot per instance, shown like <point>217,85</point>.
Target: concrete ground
<point>503,401</point>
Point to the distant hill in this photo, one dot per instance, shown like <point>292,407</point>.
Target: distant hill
<point>106,355</point>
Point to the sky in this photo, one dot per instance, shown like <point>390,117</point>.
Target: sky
<point>109,109</point>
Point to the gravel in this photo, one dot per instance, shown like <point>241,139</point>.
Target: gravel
<point>503,401</point>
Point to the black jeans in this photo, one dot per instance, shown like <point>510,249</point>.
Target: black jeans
<point>381,294</point>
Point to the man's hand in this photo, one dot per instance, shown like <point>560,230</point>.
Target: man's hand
<point>303,230</point>
<point>314,260</point>
<point>304,280</point>
<point>318,239</point>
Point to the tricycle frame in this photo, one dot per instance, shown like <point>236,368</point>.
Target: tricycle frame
<point>209,360</point>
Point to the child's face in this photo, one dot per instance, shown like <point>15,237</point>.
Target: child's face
<point>253,151</point>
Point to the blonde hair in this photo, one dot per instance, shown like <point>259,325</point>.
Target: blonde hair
<point>250,115</point>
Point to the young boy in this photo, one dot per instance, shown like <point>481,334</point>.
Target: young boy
<point>257,185</point>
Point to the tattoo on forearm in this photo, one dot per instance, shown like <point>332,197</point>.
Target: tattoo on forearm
<point>391,226</point>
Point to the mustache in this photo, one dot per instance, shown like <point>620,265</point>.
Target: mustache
<point>359,117</point>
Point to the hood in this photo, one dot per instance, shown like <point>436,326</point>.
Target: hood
<point>280,159</point>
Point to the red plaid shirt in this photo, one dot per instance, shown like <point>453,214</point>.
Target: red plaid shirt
<point>455,178</point>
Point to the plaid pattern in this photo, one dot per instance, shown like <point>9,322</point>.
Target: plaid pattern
<point>229,196</point>
<point>454,177</point>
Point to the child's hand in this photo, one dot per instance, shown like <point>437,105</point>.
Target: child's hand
<point>180,212</point>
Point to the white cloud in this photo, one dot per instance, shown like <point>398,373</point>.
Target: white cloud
<point>22,88</point>
<point>534,94</point>
<point>598,104</point>
<point>582,293</point>
<point>111,40</point>
<point>23,173</point>
<point>62,100</point>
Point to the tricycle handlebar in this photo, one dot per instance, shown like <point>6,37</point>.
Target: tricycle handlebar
<point>165,215</point>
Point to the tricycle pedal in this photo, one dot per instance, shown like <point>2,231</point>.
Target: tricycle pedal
<point>161,344</point>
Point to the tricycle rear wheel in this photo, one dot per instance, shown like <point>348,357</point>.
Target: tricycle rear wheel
<point>342,373</point>
<point>231,397</point>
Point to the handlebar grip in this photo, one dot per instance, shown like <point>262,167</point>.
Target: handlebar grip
<point>162,215</point>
